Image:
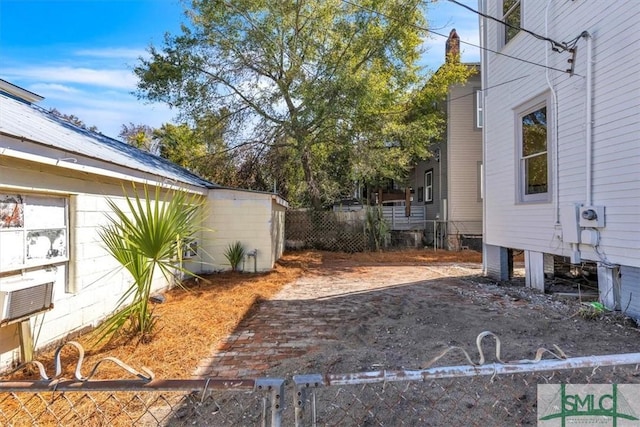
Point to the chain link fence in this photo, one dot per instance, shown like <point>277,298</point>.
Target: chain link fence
<point>495,395</point>
<point>349,231</point>
<point>476,394</point>
<point>231,402</point>
<point>453,235</point>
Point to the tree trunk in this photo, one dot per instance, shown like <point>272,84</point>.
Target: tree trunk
<point>312,185</point>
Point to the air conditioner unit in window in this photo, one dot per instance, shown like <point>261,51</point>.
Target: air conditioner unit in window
<point>20,299</point>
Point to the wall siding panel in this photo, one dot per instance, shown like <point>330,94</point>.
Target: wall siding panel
<point>616,128</point>
<point>464,142</point>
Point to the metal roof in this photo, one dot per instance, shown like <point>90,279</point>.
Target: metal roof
<point>31,122</point>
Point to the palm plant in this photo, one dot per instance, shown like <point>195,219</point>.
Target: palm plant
<point>235,254</point>
<point>146,238</point>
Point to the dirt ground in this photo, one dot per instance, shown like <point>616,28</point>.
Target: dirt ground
<point>365,312</point>
<point>402,316</point>
<point>348,315</point>
<point>391,310</point>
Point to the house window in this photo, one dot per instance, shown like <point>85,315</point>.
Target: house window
<point>428,186</point>
<point>533,149</point>
<point>511,15</point>
<point>479,109</point>
<point>33,231</point>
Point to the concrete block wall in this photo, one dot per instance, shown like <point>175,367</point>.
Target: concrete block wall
<point>88,286</point>
<point>241,216</point>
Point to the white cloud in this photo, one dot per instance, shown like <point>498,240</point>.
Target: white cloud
<point>112,53</point>
<point>116,78</point>
<point>109,121</point>
<point>97,90</point>
<point>108,110</point>
<point>52,87</point>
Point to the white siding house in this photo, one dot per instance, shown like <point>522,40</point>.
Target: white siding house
<point>55,180</point>
<point>562,140</point>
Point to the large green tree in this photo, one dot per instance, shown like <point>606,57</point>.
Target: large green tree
<point>313,86</point>
<point>199,147</point>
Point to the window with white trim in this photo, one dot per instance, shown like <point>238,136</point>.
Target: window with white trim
<point>428,186</point>
<point>512,15</point>
<point>533,145</point>
<point>33,231</point>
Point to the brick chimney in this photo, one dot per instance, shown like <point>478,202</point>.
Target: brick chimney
<point>452,48</point>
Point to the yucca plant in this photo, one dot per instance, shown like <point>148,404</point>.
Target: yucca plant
<point>376,227</point>
<point>235,254</point>
<point>146,238</point>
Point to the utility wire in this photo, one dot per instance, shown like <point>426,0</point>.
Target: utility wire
<point>461,41</point>
<point>487,88</point>
<point>559,46</point>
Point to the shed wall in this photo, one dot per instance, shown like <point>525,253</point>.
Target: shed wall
<point>88,287</point>
<point>246,217</point>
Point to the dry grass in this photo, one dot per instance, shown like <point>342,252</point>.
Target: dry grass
<point>194,320</point>
<point>404,257</point>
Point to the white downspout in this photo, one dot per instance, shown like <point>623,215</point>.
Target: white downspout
<point>588,119</point>
<point>483,78</point>
<point>554,129</point>
<point>588,112</point>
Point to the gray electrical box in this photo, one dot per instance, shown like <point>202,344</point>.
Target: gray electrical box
<point>569,222</point>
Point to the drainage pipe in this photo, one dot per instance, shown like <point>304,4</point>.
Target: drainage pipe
<point>554,130</point>
<point>254,254</point>
<point>483,78</point>
<point>589,118</point>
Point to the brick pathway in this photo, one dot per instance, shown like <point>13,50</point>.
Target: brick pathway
<point>293,323</point>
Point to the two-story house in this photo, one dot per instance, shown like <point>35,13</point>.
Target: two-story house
<point>447,184</point>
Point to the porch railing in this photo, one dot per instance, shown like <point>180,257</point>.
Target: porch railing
<point>398,220</point>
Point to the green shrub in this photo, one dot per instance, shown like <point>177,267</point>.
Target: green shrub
<point>146,238</point>
<point>376,228</point>
<point>235,254</point>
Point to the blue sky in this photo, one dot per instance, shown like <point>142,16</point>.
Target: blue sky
<point>79,54</point>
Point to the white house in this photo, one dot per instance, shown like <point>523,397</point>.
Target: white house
<point>55,179</point>
<point>447,185</point>
<point>562,140</point>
